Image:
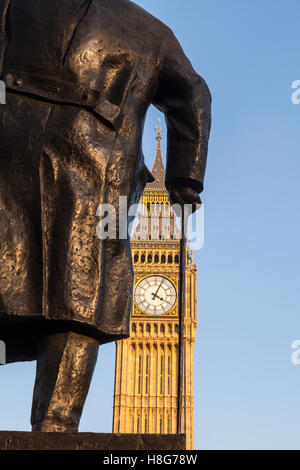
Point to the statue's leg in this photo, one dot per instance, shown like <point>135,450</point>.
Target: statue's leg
<point>65,366</point>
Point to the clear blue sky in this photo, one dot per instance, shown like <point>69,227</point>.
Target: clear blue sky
<point>247,391</point>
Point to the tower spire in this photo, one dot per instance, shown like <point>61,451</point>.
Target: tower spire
<point>159,130</point>
<point>158,170</point>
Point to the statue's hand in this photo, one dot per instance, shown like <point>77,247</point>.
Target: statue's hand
<point>185,195</point>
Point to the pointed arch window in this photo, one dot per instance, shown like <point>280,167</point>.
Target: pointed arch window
<point>169,425</point>
<point>161,375</point>
<point>169,374</point>
<point>140,374</point>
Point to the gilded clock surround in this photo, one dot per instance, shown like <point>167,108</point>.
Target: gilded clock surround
<point>145,397</point>
<point>173,284</point>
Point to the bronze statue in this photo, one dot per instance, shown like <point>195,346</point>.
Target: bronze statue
<point>80,76</point>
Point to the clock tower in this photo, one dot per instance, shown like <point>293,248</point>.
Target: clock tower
<point>145,399</point>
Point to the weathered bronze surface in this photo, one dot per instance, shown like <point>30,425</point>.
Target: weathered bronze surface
<point>80,76</point>
<point>14,440</point>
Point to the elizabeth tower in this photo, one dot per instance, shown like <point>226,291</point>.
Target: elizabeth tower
<point>145,399</point>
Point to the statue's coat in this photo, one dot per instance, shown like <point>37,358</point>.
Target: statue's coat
<point>80,76</point>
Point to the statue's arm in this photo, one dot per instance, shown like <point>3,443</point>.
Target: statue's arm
<point>185,99</point>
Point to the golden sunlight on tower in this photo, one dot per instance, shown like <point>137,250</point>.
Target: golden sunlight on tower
<point>145,399</point>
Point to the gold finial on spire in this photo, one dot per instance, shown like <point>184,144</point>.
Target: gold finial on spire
<point>159,130</point>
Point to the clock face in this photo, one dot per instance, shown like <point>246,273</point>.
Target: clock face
<point>155,295</point>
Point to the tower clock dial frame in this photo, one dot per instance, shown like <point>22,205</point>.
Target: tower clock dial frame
<point>155,295</point>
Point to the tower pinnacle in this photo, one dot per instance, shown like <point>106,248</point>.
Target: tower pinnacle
<point>159,129</point>
<point>158,170</point>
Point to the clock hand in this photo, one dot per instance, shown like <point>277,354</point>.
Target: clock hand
<point>165,300</point>
<point>157,296</point>
<point>159,286</point>
<point>160,298</point>
<point>154,295</point>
